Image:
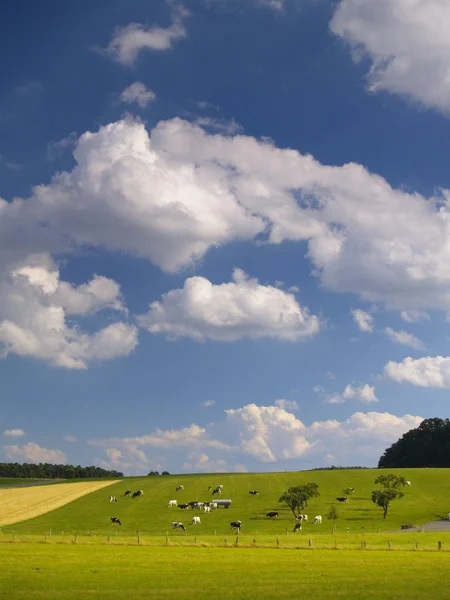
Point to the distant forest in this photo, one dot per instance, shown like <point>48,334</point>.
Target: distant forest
<point>48,471</point>
<point>426,446</point>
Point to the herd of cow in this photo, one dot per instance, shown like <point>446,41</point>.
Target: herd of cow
<point>208,506</point>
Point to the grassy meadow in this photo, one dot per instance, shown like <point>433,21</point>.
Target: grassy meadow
<point>427,499</point>
<point>35,571</point>
<point>75,550</point>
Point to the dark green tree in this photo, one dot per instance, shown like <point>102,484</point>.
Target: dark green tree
<point>426,446</point>
<point>296,497</point>
<point>391,489</point>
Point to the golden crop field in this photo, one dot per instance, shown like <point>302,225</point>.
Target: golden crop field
<point>18,504</point>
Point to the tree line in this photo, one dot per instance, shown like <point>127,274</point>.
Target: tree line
<point>426,446</point>
<point>49,471</point>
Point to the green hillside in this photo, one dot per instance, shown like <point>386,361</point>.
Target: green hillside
<point>426,500</point>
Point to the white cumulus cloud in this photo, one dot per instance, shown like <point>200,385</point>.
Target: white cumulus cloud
<point>171,195</point>
<point>408,42</point>
<point>429,371</point>
<point>139,93</point>
<point>34,305</point>
<point>33,453</point>
<point>240,309</point>
<point>364,393</point>
<point>253,436</point>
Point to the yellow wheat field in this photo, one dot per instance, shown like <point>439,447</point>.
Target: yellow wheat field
<point>18,504</point>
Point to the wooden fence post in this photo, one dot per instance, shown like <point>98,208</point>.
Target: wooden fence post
<point>310,543</point>
<point>439,545</point>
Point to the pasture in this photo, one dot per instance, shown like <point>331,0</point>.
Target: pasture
<point>34,571</point>
<point>19,503</point>
<point>426,500</point>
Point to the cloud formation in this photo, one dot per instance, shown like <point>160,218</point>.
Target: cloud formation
<point>172,195</point>
<point>408,43</point>
<point>227,312</point>
<point>14,432</point>
<point>128,42</point>
<point>404,338</point>
<point>34,305</point>
<point>33,453</point>
<point>251,437</point>
<point>363,320</point>
<point>429,371</point>
<point>364,393</point>
<point>139,93</point>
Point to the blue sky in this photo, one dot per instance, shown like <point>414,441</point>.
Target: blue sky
<point>224,242</point>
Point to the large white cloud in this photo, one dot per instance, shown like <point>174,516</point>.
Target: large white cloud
<point>229,311</point>
<point>129,41</point>
<point>429,371</point>
<point>408,42</point>
<point>34,304</point>
<point>171,196</point>
<point>254,436</point>
<point>34,453</point>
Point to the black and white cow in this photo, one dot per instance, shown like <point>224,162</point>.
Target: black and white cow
<point>342,499</point>
<point>183,506</point>
<point>112,499</point>
<point>272,514</point>
<point>217,490</point>
<point>297,527</point>
<point>236,525</point>
<point>138,494</point>
<point>254,492</point>
<point>179,488</point>
<point>116,520</point>
<point>127,493</point>
<point>178,525</point>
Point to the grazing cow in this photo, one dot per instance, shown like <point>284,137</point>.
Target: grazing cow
<point>183,506</point>
<point>342,499</point>
<point>116,520</point>
<point>213,505</point>
<point>236,525</point>
<point>297,527</point>
<point>302,518</point>
<point>179,488</point>
<point>254,492</point>
<point>138,494</point>
<point>112,499</point>
<point>272,515</point>
<point>408,483</point>
<point>178,525</point>
<point>127,493</point>
<point>318,520</point>
<point>196,521</point>
<point>217,491</point>
<point>172,503</point>
<point>206,509</point>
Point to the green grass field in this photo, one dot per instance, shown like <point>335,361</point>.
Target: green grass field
<point>426,500</point>
<point>34,571</point>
